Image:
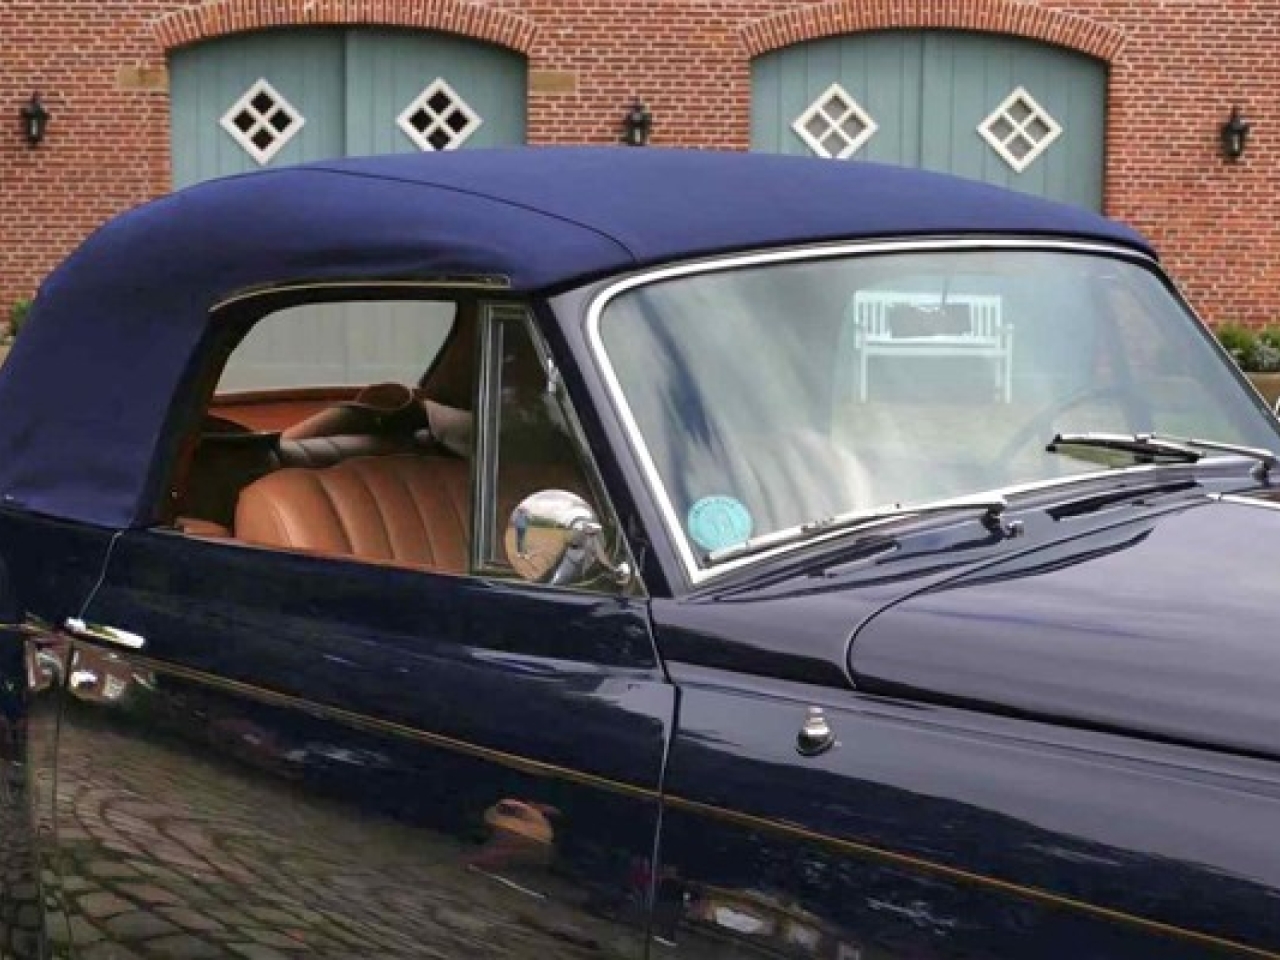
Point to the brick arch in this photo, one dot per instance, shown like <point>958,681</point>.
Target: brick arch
<point>1010,17</point>
<point>215,18</point>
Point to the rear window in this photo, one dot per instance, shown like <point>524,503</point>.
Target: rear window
<point>350,343</point>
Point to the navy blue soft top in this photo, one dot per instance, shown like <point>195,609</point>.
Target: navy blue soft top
<point>84,395</point>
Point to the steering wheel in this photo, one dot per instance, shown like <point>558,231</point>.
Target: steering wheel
<point>1039,429</point>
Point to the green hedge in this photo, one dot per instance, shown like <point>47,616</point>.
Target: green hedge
<point>1256,351</point>
<point>18,316</point>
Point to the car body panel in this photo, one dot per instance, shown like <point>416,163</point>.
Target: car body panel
<point>1122,630</point>
<point>305,745</point>
<point>48,569</point>
<point>935,832</point>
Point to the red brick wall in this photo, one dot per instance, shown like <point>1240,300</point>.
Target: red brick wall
<point>1176,69</point>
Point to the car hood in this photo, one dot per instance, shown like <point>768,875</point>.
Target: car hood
<point>1166,626</point>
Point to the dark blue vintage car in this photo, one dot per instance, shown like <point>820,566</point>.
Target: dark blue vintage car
<point>622,553</point>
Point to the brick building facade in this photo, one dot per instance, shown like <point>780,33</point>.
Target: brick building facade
<point>1173,70</point>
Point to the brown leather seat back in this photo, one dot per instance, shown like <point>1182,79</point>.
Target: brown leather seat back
<point>399,509</point>
<point>326,451</point>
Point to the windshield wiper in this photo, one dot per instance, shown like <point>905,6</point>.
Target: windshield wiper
<point>990,506</point>
<point>1158,447</point>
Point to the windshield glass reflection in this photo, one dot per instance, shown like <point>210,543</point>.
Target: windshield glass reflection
<point>776,395</point>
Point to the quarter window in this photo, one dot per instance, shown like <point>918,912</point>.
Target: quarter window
<point>535,444</point>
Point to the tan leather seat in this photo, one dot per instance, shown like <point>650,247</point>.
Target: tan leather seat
<point>402,508</point>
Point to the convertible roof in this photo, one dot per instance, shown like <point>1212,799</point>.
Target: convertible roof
<point>86,390</point>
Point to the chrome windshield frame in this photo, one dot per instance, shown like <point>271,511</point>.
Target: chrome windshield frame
<point>697,575</point>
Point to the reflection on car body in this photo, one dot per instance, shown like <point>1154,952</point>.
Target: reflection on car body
<point>543,553</point>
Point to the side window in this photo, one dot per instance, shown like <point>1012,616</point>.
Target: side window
<point>328,422</point>
<point>349,429</point>
<point>347,343</point>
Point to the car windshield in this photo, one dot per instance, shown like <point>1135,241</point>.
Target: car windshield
<point>776,395</point>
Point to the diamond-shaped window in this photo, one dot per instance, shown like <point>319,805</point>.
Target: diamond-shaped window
<point>835,125</point>
<point>438,118</point>
<point>1019,130</point>
<point>262,121</point>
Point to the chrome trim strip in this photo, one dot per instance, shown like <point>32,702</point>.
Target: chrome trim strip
<point>640,449</point>
<point>478,282</point>
<point>104,634</point>
<point>1243,501</point>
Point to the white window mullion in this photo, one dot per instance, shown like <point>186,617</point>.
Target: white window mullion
<point>1019,130</point>
<point>835,115</point>
<point>262,121</point>
<point>438,118</point>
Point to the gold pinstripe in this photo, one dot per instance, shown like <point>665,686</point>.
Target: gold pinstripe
<point>722,814</point>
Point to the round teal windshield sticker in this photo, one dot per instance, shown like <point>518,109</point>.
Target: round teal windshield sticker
<point>719,522</point>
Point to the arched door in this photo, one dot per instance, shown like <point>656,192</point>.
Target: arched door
<point>289,96</point>
<point>1001,109</point>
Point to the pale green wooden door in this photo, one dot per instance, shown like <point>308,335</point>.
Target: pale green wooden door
<point>288,96</point>
<point>925,98</point>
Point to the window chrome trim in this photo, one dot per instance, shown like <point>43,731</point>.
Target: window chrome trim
<point>484,449</point>
<point>492,284</point>
<point>640,450</point>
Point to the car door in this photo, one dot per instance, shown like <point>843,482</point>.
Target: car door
<point>276,751</point>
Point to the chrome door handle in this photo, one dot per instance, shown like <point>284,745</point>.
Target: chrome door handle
<point>816,736</point>
<point>101,632</point>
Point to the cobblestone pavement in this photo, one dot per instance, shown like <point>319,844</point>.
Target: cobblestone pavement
<point>178,858</point>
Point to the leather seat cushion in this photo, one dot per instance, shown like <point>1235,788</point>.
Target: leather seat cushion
<point>402,508</point>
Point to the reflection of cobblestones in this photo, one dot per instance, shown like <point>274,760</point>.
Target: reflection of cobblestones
<point>222,862</point>
<point>20,912</point>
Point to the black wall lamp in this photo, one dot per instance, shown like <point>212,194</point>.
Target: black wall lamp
<point>636,125</point>
<point>35,120</point>
<point>1235,134</point>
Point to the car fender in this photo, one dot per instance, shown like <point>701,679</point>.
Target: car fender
<point>32,661</point>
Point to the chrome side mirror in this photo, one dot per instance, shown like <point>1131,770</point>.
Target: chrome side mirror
<point>553,537</point>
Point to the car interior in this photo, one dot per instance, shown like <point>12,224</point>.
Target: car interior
<point>380,472</point>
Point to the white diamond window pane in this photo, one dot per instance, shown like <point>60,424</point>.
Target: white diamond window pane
<point>834,125</point>
<point>439,119</point>
<point>1019,130</point>
<point>852,128</point>
<point>262,121</point>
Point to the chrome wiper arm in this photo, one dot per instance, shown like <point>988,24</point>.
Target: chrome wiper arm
<point>1267,459</point>
<point>991,506</point>
<point>1185,449</point>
